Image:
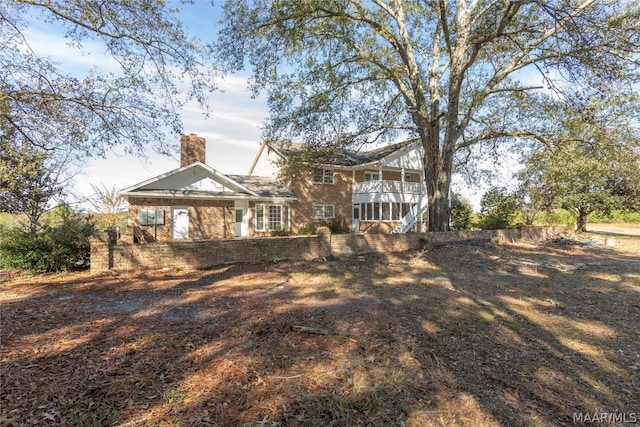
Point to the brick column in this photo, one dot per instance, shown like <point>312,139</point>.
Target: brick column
<point>324,234</point>
<point>101,253</point>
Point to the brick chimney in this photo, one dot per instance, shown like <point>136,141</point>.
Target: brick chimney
<point>192,149</point>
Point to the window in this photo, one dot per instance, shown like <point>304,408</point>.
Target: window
<point>356,211</point>
<point>260,217</point>
<point>151,216</point>
<point>371,176</point>
<point>407,178</point>
<point>323,176</point>
<point>324,211</point>
<point>386,211</point>
<point>278,217</point>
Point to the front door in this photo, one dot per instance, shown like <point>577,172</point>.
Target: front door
<point>179,223</point>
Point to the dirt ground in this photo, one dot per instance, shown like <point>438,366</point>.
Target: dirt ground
<point>534,334</point>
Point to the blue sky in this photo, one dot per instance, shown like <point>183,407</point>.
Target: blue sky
<point>232,129</point>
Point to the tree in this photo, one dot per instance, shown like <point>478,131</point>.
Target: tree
<point>461,211</point>
<point>593,163</point>
<point>351,72</point>
<point>132,106</point>
<point>29,180</point>
<point>498,209</point>
<point>109,203</point>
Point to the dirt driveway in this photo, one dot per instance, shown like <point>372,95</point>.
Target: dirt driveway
<point>624,229</point>
<point>530,334</point>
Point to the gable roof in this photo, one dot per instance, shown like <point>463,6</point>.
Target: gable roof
<point>199,181</point>
<point>337,156</point>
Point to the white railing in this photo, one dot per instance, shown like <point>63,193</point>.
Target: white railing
<point>396,187</point>
<point>410,219</point>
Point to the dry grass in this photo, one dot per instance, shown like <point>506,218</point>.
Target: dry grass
<point>462,335</point>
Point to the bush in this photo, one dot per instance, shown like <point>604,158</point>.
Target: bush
<point>279,232</point>
<point>498,209</point>
<point>334,225</point>
<point>62,247</point>
<point>558,217</point>
<point>461,211</point>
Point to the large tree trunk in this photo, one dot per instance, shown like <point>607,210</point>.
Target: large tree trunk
<point>437,172</point>
<point>581,221</point>
<point>439,209</point>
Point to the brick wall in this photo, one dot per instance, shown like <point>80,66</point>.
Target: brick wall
<point>201,253</point>
<point>208,219</point>
<point>208,253</point>
<point>309,193</point>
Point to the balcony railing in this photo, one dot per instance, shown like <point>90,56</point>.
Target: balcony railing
<point>395,187</point>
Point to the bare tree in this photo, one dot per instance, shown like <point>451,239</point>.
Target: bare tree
<point>109,203</point>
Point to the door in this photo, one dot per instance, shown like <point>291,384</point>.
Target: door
<point>355,225</point>
<point>241,218</point>
<point>179,223</point>
<point>239,222</point>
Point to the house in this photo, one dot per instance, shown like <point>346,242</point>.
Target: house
<point>288,186</point>
<point>196,201</point>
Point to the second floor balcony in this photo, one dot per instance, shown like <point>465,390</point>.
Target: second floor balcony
<point>389,187</point>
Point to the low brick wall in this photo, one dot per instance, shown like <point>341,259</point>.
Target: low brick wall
<point>500,236</point>
<point>207,253</point>
<point>357,244</point>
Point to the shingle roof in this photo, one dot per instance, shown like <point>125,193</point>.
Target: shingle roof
<point>335,156</point>
<point>263,186</point>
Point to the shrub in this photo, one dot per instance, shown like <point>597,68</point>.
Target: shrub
<point>558,217</point>
<point>461,211</point>
<point>334,225</point>
<point>279,232</point>
<point>309,228</point>
<point>498,209</point>
<point>62,247</point>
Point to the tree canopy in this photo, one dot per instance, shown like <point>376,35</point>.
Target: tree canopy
<point>29,179</point>
<point>157,68</point>
<point>591,164</point>
<point>451,73</point>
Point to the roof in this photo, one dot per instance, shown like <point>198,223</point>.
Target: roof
<point>199,181</point>
<point>336,156</point>
<point>263,186</point>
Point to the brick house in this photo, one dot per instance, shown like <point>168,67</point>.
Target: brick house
<point>287,187</point>
<point>378,191</point>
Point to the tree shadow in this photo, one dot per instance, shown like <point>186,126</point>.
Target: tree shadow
<point>454,336</point>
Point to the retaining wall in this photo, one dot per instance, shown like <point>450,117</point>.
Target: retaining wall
<point>200,254</point>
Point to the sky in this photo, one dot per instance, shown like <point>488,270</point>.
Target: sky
<point>232,130</point>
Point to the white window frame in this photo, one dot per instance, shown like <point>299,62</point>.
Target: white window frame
<point>259,217</point>
<point>371,176</point>
<point>285,220</point>
<point>327,211</point>
<point>326,176</point>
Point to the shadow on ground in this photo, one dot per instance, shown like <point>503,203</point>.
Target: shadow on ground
<point>462,335</point>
